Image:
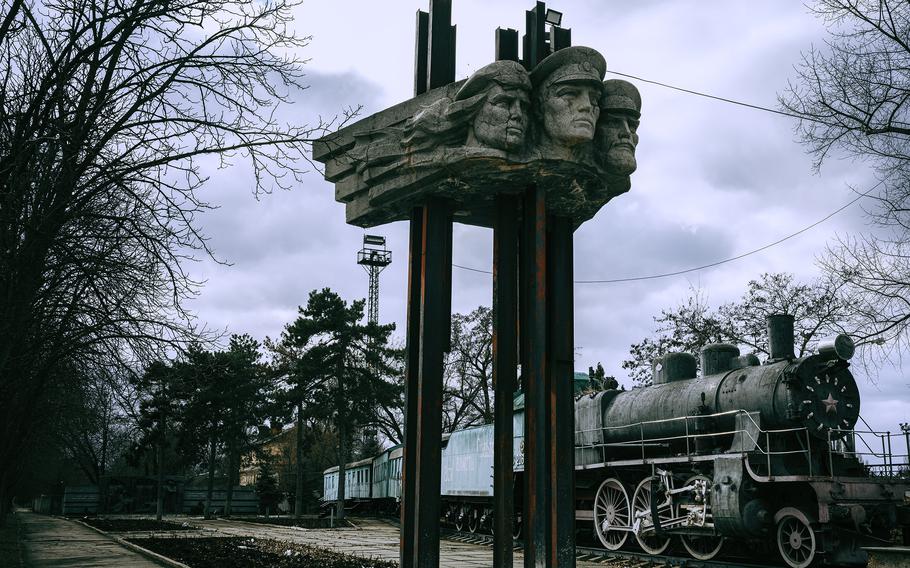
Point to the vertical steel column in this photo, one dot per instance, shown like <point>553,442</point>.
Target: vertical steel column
<point>534,371</point>
<point>408,533</point>
<point>560,395</point>
<point>429,319</point>
<point>441,53</point>
<point>420,52</point>
<point>436,291</point>
<point>505,367</point>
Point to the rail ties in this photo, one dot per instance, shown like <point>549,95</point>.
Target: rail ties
<point>613,559</point>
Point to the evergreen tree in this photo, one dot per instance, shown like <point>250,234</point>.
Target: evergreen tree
<point>336,363</point>
<point>158,389</point>
<point>267,487</point>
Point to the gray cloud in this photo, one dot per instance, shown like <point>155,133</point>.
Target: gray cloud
<point>714,179</point>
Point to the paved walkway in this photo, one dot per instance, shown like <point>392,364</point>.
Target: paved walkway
<point>58,543</point>
<point>371,539</point>
<point>50,542</point>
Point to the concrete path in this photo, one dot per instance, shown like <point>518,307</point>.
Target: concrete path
<point>371,539</point>
<point>58,543</point>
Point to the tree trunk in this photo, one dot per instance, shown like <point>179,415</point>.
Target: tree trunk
<point>4,500</point>
<point>230,480</point>
<point>102,484</point>
<point>159,511</point>
<point>298,495</point>
<point>343,458</point>
<point>211,483</point>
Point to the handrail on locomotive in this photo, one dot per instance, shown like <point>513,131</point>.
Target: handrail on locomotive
<point>837,443</point>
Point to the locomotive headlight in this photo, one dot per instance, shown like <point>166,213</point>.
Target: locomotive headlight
<point>840,346</point>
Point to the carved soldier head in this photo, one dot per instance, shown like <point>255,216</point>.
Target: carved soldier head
<point>501,120</point>
<point>567,92</point>
<point>617,130</point>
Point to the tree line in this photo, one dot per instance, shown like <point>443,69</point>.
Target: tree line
<point>331,382</point>
<point>109,108</point>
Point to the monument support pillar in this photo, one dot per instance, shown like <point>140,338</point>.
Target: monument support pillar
<point>534,376</point>
<point>561,391</point>
<point>546,324</point>
<point>435,301</point>
<point>409,463</point>
<point>505,367</point>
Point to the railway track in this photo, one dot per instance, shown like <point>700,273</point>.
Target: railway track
<point>616,559</point>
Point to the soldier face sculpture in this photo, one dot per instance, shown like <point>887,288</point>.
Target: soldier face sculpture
<point>567,91</point>
<point>617,131</point>
<point>618,137</point>
<point>502,120</point>
<point>569,111</point>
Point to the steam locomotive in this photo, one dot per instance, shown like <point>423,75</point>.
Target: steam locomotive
<point>765,455</point>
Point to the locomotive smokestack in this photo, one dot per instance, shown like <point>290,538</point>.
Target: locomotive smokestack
<point>780,336</point>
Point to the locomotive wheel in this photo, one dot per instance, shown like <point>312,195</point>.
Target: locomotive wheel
<point>611,514</point>
<point>641,511</point>
<point>489,520</point>
<point>796,541</point>
<point>473,519</point>
<point>703,547</point>
<point>460,517</point>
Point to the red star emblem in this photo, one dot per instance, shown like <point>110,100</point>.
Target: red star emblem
<point>830,404</point>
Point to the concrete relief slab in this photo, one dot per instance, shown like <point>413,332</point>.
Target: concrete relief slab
<point>560,127</point>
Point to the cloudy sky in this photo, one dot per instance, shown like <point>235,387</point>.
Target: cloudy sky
<point>714,179</point>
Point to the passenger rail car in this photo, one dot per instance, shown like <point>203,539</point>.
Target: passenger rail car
<point>772,456</point>
<point>373,483</point>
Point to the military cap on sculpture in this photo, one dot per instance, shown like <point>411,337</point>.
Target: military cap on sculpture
<point>617,130</point>
<point>568,86</point>
<point>501,121</point>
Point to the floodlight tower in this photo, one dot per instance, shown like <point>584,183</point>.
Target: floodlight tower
<point>374,257</point>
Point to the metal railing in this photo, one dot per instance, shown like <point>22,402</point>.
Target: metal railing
<point>872,450</point>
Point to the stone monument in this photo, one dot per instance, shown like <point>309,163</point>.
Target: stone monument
<point>532,149</point>
<point>560,127</point>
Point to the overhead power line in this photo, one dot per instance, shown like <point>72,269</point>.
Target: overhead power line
<point>716,98</point>
<point>716,263</point>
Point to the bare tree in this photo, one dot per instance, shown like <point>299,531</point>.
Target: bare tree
<point>819,310</point>
<point>853,95</point>
<point>468,391</point>
<point>108,108</point>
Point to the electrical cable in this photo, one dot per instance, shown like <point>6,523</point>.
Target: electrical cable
<point>716,263</point>
<point>731,101</point>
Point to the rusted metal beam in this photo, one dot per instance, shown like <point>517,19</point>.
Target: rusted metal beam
<point>435,297</point>
<point>506,44</point>
<point>441,55</point>
<point>534,372</point>
<point>534,42</point>
<point>420,52</point>
<point>409,467</point>
<point>560,38</point>
<point>505,371</point>
<point>560,395</point>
